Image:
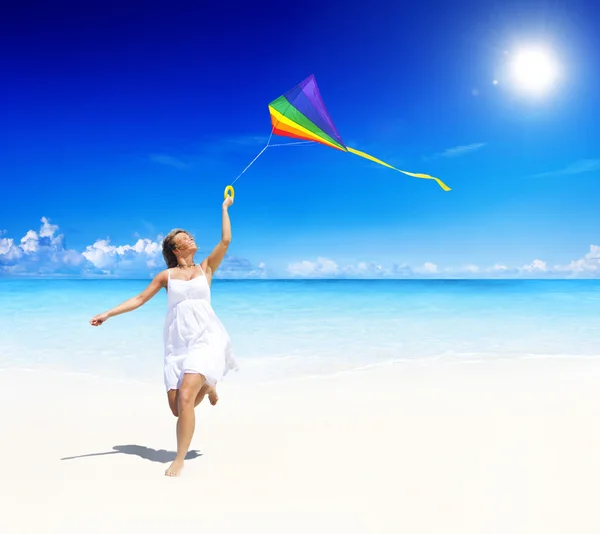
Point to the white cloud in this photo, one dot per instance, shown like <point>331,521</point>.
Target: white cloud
<point>5,245</point>
<point>366,268</point>
<point>124,258</point>
<point>323,267</point>
<point>402,270</point>
<point>47,229</point>
<point>535,266</point>
<point>30,242</point>
<point>578,167</point>
<point>428,267</point>
<point>327,268</point>
<point>9,253</point>
<point>39,252</point>
<point>588,266</point>
<point>469,269</point>
<point>234,267</point>
<point>33,242</point>
<point>165,159</point>
<point>460,150</point>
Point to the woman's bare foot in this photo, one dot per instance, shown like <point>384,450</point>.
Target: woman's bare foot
<point>212,395</point>
<point>174,469</point>
<point>201,394</point>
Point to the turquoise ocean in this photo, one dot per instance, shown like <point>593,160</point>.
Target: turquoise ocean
<point>296,328</point>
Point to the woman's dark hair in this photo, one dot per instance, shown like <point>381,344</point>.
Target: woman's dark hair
<point>168,246</point>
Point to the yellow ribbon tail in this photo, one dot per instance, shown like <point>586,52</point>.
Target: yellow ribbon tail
<point>416,175</point>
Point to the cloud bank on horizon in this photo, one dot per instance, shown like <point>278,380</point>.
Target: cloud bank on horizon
<point>44,253</point>
<point>586,267</point>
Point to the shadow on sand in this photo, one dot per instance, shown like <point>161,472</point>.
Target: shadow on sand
<point>162,456</point>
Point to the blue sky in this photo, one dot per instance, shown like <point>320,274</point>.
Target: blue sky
<point>123,120</point>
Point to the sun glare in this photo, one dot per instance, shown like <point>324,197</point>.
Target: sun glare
<point>534,71</point>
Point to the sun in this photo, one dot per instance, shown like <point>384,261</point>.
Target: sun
<point>534,70</point>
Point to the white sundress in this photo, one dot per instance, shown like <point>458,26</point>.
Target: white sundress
<point>195,340</point>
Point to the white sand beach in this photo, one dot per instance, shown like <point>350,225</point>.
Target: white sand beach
<point>507,446</point>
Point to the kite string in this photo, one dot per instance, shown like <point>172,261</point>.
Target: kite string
<point>258,155</point>
<point>250,164</point>
<point>297,143</point>
<point>265,148</point>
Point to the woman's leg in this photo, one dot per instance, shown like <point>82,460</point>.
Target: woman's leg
<point>173,397</point>
<point>186,422</point>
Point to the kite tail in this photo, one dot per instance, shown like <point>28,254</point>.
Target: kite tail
<point>416,175</point>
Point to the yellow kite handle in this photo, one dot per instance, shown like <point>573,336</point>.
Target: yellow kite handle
<point>229,188</point>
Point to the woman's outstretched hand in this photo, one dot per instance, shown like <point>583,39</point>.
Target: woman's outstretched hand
<point>98,319</point>
<point>227,202</point>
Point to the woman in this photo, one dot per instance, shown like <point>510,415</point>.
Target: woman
<point>197,347</point>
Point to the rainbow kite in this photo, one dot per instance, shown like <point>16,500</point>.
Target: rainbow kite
<point>301,114</point>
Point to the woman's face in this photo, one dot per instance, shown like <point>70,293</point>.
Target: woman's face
<point>184,243</point>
